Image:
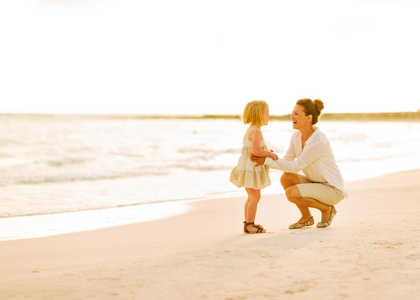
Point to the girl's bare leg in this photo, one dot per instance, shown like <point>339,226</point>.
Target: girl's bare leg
<point>246,206</point>
<point>251,206</point>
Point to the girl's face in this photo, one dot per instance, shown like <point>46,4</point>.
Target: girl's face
<point>266,116</point>
<point>299,118</point>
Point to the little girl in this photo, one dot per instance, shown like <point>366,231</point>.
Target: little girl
<point>245,174</point>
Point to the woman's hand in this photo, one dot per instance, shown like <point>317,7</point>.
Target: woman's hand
<point>258,159</point>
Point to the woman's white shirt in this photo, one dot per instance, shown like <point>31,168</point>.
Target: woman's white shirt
<point>316,160</point>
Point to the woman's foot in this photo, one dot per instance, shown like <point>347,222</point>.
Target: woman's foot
<point>327,223</point>
<point>298,225</point>
<point>326,214</point>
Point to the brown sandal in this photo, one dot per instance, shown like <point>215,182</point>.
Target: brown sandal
<point>260,229</point>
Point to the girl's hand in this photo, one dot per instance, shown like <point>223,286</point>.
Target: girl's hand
<point>273,155</point>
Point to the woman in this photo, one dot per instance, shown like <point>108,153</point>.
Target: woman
<point>322,185</point>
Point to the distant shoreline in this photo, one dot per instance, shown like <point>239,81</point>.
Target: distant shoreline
<point>383,116</point>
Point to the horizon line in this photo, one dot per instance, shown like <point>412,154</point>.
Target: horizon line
<point>192,114</point>
<point>399,115</point>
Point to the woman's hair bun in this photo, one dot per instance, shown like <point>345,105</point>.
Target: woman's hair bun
<point>319,105</point>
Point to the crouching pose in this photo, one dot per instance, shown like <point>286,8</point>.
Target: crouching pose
<point>321,185</point>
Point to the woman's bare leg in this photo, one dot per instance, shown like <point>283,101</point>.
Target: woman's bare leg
<point>294,196</point>
<point>288,180</point>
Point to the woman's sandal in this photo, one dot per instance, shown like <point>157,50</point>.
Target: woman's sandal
<point>328,223</point>
<point>260,229</point>
<point>308,222</point>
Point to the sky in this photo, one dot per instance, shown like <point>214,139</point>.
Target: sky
<point>208,57</point>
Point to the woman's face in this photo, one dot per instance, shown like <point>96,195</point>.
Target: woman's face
<point>266,116</point>
<point>299,118</point>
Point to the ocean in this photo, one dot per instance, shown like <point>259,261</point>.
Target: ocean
<point>54,165</point>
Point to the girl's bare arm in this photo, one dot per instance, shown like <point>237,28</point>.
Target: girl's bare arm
<point>256,137</point>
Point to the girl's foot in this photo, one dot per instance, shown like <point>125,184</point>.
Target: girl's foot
<point>253,228</point>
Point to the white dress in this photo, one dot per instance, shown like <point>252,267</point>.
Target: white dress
<point>245,174</point>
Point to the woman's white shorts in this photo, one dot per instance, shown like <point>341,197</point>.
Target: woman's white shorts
<point>322,192</point>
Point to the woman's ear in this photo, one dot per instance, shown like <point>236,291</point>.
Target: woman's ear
<point>310,117</point>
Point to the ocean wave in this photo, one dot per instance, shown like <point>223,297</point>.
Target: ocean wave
<point>20,172</point>
<point>55,165</point>
<point>25,178</point>
<point>221,151</point>
<point>17,172</point>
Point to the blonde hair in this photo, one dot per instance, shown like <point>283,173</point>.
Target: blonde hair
<point>254,111</point>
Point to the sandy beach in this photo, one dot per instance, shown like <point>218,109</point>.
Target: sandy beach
<point>371,251</point>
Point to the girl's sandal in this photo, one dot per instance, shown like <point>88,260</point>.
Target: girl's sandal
<point>260,229</point>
